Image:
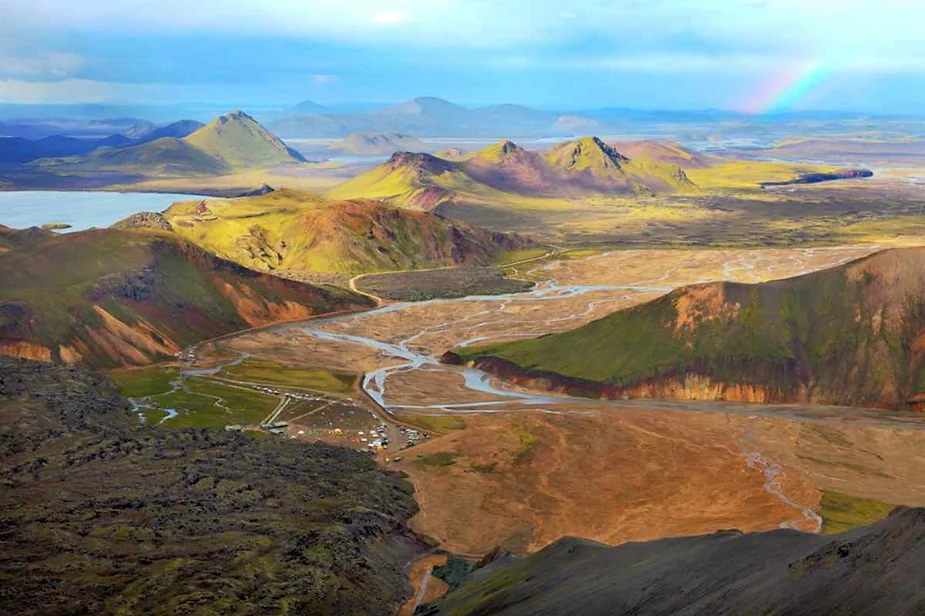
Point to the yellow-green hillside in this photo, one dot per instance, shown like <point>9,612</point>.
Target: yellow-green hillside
<point>291,231</point>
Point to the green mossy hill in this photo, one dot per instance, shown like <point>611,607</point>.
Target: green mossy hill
<point>240,141</point>
<point>114,297</point>
<point>849,335</point>
<point>230,142</point>
<point>874,569</point>
<point>102,515</point>
<point>294,232</point>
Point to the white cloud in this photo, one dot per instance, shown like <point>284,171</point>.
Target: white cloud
<point>887,32</point>
<point>71,91</point>
<point>50,64</point>
<point>721,63</point>
<point>392,17</point>
<point>323,79</point>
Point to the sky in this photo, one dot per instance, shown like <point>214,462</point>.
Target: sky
<point>758,56</point>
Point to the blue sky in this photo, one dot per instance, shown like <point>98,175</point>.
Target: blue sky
<point>667,54</point>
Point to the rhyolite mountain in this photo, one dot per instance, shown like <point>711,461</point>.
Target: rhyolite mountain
<point>114,297</point>
<point>874,569</point>
<point>850,335</point>
<point>573,169</point>
<point>105,515</point>
<point>231,142</point>
<point>295,232</point>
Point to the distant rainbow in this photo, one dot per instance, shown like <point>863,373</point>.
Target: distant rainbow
<point>787,88</point>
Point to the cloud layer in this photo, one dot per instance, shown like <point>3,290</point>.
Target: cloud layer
<point>342,47</point>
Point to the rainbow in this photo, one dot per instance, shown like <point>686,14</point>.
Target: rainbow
<point>787,88</point>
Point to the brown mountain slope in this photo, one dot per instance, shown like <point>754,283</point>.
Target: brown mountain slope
<point>112,297</point>
<point>852,335</point>
<point>874,569</point>
<point>298,232</point>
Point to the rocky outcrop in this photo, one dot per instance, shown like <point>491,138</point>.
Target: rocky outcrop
<point>144,220</point>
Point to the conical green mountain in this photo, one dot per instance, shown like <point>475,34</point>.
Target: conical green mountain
<point>240,141</point>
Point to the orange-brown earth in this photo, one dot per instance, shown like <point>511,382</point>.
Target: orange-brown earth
<point>418,572</point>
<point>524,473</point>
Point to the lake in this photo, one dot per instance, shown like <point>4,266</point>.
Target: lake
<point>81,210</point>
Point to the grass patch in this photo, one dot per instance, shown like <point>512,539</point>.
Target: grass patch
<point>513,256</point>
<point>439,459</point>
<point>437,424</point>
<point>274,373</point>
<point>209,404</point>
<point>526,444</point>
<point>842,512</point>
<point>142,382</point>
<point>484,468</point>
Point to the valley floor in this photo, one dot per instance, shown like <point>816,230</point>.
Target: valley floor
<point>521,469</point>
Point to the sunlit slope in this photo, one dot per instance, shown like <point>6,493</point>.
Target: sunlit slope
<point>113,297</point>
<point>298,232</point>
<point>854,335</point>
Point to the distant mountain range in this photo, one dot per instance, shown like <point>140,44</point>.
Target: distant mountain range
<point>577,168</point>
<point>426,117</point>
<point>18,150</point>
<point>850,335</point>
<point>376,144</point>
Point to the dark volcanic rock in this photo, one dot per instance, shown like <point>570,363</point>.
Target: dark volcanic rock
<point>263,190</point>
<point>875,569</point>
<point>101,515</point>
<point>815,178</point>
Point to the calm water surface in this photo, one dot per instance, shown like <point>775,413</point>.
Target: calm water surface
<point>81,210</point>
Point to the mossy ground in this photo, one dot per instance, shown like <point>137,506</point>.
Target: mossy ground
<point>274,373</point>
<point>842,512</point>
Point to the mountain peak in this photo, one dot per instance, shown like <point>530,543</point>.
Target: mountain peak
<point>241,141</point>
<point>586,153</point>
<point>419,161</point>
<point>428,105</point>
<point>500,151</point>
